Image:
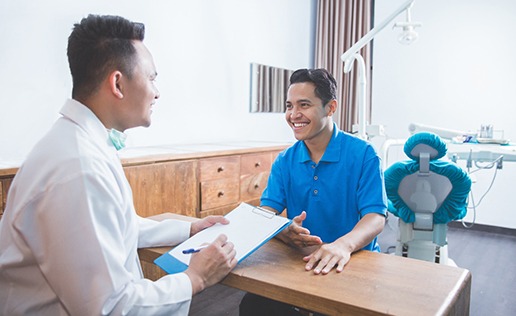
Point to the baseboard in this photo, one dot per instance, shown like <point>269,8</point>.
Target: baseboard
<point>484,228</point>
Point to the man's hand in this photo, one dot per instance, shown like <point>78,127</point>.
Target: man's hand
<point>210,265</point>
<point>206,222</point>
<point>338,253</point>
<point>297,235</point>
<point>324,259</point>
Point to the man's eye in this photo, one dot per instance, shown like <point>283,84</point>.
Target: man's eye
<point>288,106</point>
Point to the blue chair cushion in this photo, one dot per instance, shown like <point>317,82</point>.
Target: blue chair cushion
<point>454,206</point>
<point>426,138</point>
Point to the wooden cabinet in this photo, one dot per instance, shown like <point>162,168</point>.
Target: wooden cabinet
<point>5,183</point>
<point>201,183</point>
<point>219,184</point>
<point>197,183</point>
<point>228,180</point>
<point>254,172</point>
<point>1,198</point>
<point>164,187</point>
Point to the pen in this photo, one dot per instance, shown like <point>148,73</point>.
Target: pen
<point>194,250</point>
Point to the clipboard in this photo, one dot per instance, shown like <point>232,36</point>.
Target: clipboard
<point>249,228</point>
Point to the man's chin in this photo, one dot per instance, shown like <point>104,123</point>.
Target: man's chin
<point>299,136</point>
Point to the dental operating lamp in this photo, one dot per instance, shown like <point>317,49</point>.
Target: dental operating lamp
<point>408,36</point>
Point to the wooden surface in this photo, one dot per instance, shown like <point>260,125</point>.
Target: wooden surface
<point>371,283</point>
<point>173,152</point>
<point>165,186</point>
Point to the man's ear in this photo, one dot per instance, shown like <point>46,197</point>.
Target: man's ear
<point>115,84</point>
<point>332,107</point>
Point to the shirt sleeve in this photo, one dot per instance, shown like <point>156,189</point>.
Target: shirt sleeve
<point>83,237</point>
<point>274,195</point>
<point>168,232</point>
<point>372,197</point>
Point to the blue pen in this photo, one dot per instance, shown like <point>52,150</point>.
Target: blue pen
<point>194,250</point>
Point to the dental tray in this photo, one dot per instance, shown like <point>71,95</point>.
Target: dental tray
<point>493,141</point>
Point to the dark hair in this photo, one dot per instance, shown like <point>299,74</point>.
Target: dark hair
<point>325,84</point>
<point>98,45</point>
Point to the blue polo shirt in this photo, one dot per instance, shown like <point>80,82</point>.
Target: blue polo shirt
<point>336,193</point>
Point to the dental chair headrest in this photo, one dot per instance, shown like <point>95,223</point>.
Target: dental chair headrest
<point>455,205</point>
<point>425,142</point>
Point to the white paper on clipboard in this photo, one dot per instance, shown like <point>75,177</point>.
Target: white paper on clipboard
<point>249,228</point>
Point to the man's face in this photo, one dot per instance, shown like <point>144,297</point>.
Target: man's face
<point>140,93</point>
<point>305,113</point>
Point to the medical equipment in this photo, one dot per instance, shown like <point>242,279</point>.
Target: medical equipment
<point>409,35</point>
<point>478,148</point>
<point>442,132</point>
<point>481,157</point>
<point>426,194</point>
<point>352,54</point>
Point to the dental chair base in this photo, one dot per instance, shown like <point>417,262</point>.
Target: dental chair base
<point>428,245</point>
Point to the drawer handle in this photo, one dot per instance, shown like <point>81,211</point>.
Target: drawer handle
<point>258,164</point>
<point>256,186</point>
<point>220,169</point>
<point>221,194</point>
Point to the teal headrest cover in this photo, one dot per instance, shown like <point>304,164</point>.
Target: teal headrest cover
<point>426,138</point>
<point>454,206</point>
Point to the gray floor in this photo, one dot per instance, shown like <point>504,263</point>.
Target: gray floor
<point>489,254</point>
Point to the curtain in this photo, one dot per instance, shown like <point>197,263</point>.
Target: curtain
<point>341,23</point>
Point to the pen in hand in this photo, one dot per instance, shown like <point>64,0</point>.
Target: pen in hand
<point>194,250</point>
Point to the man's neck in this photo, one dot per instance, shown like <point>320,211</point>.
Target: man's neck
<point>317,146</point>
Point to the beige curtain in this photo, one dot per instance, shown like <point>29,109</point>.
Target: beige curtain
<point>341,23</point>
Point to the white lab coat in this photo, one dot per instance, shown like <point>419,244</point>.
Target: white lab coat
<point>69,235</point>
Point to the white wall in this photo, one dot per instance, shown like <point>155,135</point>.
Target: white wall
<point>458,75</point>
<point>202,50</point>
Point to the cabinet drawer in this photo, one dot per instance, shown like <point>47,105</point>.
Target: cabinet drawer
<point>221,192</point>
<point>252,185</point>
<point>255,163</point>
<point>220,168</point>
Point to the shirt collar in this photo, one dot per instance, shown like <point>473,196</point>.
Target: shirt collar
<point>332,152</point>
<point>87,120</point>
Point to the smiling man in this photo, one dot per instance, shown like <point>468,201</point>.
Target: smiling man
<point>329,182</point>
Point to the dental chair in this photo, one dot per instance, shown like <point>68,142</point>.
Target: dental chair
<point>426,194</point>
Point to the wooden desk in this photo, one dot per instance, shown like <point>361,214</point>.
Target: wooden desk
<point>371,283</point>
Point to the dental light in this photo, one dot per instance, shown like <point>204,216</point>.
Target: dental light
<point>353,54</point>
<point>409,35</point>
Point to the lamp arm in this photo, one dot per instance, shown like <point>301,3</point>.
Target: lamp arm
<point>352,54</point>
<point>369,36</point>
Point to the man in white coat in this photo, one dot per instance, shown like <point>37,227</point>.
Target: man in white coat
<point>69,235</point>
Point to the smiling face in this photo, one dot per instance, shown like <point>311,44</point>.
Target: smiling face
<point>139,91</point>
<point>309,119</point>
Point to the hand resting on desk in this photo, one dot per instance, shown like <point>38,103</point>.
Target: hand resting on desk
<point>324,257</point>
<point>338,253</point>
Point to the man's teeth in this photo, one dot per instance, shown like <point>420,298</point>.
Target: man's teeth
<point>299,124</point>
